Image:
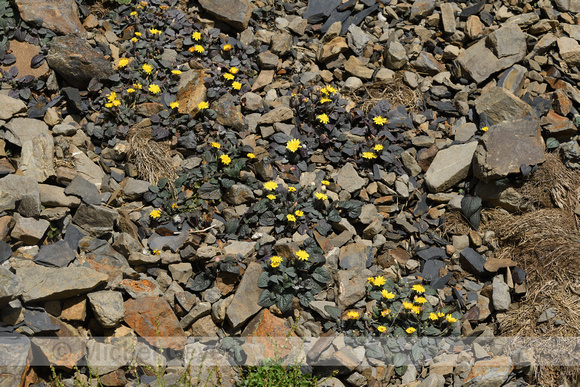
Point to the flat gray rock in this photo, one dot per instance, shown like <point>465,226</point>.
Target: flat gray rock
<point>20,193</point>
<point>96,219</point>
<point>58,254</point>
<point>233,12</point>
<point>499,104</point>
<point>84,189</point>
<point>10,106</point>
<point>450,166</point>
<point>245,302</point>
<point>42,283</point>
<point>349,179</point>
<point>10,286</point>
<point>108,307</point>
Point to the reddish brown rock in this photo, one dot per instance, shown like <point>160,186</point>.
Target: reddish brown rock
<point>558,126</point>
<point>6,224</point>
<point>59,16</point>
<point>65,350</point>
<point>191,91</point>
<point>24,52</point>
<point>74,309</point>
<point>562,104</point>
<point>264,78</point>
<point>493,265</point>
<point>492,372</point>
<point>272,333</point>
<point>229,112</point>
<point>153,320</point>
<point>114,379</point>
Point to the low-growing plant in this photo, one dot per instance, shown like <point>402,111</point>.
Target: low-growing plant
<point>300,275</point>
<point>273,373</point>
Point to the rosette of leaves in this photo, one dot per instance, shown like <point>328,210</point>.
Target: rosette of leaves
<point>206,277</point>
<point>294,278</point>
<point>7,26</point>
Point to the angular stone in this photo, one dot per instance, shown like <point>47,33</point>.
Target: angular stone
<point>472,261</point>
<point>332,49</point>
<point>75,60</point>
<point>319,10</point>
<point>153,320</point>
<point>108,307</point>
<point>200,310</point>
<point>191,91</point>
<point>426,63</point>
<point>236,13</point>
<point>492,372</point>
<point>59,16</point>
<point>74,309</point>
<point>506,146</point>
<point>37,147</point>
<point>10,286</point>
<point>96,219</point>
<point>396,56</point>
<point>267,60</point>
<point>558,126</point>
<point>509,40</point>
<point>229,112</point>
<point>264,78</point>
<point>16,351</point>
<point>448,18</point>
<point>500,294</point>
<point>42,283</point>
<point>357,39</point>
<point>239,194</point>
<point>568,5</point>
<point>450,166</point>
<point>352,285</point>
<point>513,79</point>
<point>10,106</point>
<point>29,230</point>
<point>245,249</point>
<point>135,189</point>
<point>245,302</point>
<point>569,50</point>
<point>86,167</point>
<point>58,254</point>
<point>354,66</point>
<point>20,193</point>
<point>54,196</point>
<point>355,255</point>
<point>145,287</point>
<point>498,104</point>
<point>421,8</point>
<point>84,189</point>
<point>279,114</point>
<point>105,358</point>
<point>349,179</point>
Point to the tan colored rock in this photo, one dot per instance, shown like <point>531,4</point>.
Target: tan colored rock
<point>191,91</point>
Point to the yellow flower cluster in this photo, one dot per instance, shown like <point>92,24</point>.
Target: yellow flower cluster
<point>155,214</point>
<point>203,105</point>
<point>369,155</point>
<point>320,196</point>
<point>270,185</point>
<point>328,90</point>
<point>353,315</point>
<point>378,120</point>
<point>113,101</point>
<point>275,261</point>
<point>293,145</point>
<point>323,118</point>
<point>291,218</point>
<point>302,255</point>
<point>123,62</point>
<point>377,281</point>
<point>154,89</point>
<point>225,159</point>
<point>147,68</point>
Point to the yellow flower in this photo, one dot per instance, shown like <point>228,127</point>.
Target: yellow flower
<point>130,90</point>
<point>410,330</point>
<point>138,34</point>
<point>325,182</point>
<point>176,72</point>
<point>216,145</point>
<point>485,128</point>
<point>293,145</point>
<point>156,252</point>
<point>111,97</point>
<point>154,89</point>
<point>381,328</point>
<point>302,255</point>
<point>155,214</point>
<point>174,206</point>
<point>420,300</point>
<point>251,156</point>
<point>134,13</point>
<point>369,155</point>
<point>299,213</point>
<point>147,68</point>
<point>325,100</point>
<point>378,147</point>
<point>385,312</point>
<point>116,103</point>
<point>225,159</point>
<point>419,288</point>
<point>227,47</point>
<point>370,279</point>
<point>134,40</point>
<point>388,295</point>
<point>275,261</point>
<point>450,319</point>
<point>407,305</point>
<point>234,70</point>
<point>163,7</point>
<point>291,218</point>
<point>440,315</point>
<point>196,36</point>
<point>433,316</point>
<point>270,185</point>
<point>202,105</point>
<point>417,309</point>
<point>353,315</point>
<point>174,105</point>
<point>330,89</point>
<point>198,48</point>
<point>291,189</point>
<point>323,118</point>
<point>137,86</point>
<point>379,281</point>
<point>378,120</point>
<point>109,105</point>
<point>229,76</point>
<point>154,31</point>
<point>123,62</point>
<point>320,196</point>
<point>271,197</point>
<point>236,85</point>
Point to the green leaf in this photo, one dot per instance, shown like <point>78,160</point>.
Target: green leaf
<point>267,219</point>
<point>284,302</point>
<point>400,360</point>
<point>552,143</point>
<point>432,331</point>
<point>334,216</point>
<point>267,299</point>
<point>162,183</point>
<point>333,311</point>
<point>375,295</point>
<point>321,275</point>
<point>305,298</point>
<point>375,351</point>
<point>199,283</point>
<point>263,279</point>
<point>416,352</point>
<point>154,188</point>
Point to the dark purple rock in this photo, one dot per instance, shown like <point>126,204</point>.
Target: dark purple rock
<point>431,269</point>
<point>319,10</point>
<point>5,251</point>
<point>73,235</point>
<point>84,189</point>
<point>431,253</point>
<point>58,254</point>
<point>472,261</point>
<point>518,275</point>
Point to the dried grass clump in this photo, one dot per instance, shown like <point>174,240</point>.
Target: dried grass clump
<point>152,159</point>
<point>395,91</point>
<point>546,244</point>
